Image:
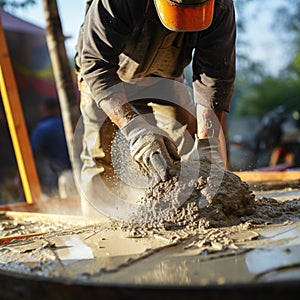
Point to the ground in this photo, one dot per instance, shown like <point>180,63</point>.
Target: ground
<point>264,247</point>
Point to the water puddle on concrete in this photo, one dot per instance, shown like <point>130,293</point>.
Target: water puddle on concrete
<point>271,262</point>
<point>71,249</point>
<point>288,235</point>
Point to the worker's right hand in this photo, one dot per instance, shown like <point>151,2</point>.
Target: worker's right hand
<point>155,153</point>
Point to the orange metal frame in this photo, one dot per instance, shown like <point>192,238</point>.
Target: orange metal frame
<point>17,125</point>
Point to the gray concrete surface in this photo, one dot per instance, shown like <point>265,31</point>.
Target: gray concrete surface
<point>101,256</point>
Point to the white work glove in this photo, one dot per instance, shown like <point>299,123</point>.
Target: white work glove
<point>209,148</point>
<point>155,153</point>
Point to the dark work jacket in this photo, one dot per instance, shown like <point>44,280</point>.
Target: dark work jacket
<point>124,39</point>
<point>48,140</point>
<point>50,151</point>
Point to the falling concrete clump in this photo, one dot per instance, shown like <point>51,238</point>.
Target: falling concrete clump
<point>194,203</point>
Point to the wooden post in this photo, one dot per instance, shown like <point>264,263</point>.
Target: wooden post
<point>17,125</point>
<point>62,72</point>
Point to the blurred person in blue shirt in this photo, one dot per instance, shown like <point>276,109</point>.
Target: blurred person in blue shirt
<point>49,147</point>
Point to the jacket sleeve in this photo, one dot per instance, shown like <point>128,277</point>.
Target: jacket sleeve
<point>107,25</point>
<point>214,59</point>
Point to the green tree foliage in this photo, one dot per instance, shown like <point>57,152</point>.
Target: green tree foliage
<point>256,91</point>
<point>264,96</point>
<point>287,19</point>
<point>289,22</point>
<point>296,64</point>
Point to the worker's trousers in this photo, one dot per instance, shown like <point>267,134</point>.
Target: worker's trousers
<point>97,180</point>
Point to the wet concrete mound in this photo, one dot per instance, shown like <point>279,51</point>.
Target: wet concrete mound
<point>195,203</point>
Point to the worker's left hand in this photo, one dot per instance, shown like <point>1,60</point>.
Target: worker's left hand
<point>206,149</point>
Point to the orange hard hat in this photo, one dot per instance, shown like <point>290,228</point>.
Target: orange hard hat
<point>185,15</point>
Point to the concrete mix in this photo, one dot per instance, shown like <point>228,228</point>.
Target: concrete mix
<point>209,202</point>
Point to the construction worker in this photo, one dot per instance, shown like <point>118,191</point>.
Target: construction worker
<point>131,57</point>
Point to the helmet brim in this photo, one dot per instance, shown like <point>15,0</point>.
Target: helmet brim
<point>181,17</point>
